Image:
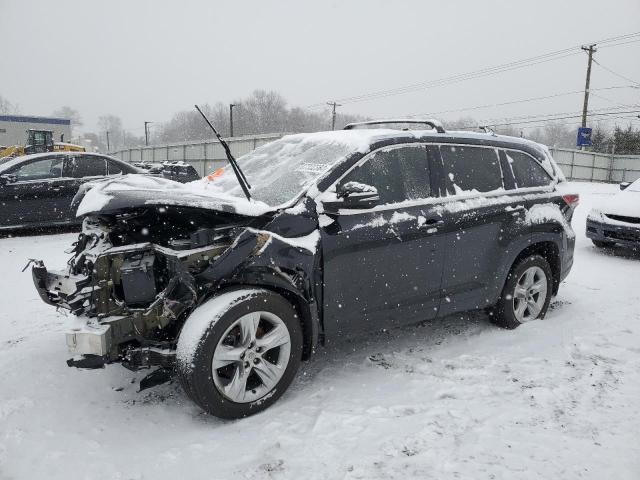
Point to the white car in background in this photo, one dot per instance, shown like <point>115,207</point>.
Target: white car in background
<point>617,221</point>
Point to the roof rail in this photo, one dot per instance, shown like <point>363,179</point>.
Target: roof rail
<point>435,124</point>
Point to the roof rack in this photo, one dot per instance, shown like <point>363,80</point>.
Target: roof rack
<point>435,124</point>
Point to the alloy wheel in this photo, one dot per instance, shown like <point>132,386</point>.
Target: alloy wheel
<point>530,294</point>
<point>251,357</point>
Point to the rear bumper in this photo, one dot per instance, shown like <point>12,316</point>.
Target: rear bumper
<point>613,233</point>
<point>569,243</point>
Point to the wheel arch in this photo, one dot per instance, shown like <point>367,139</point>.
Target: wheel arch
<point>549,250</point>
<point>306,309</point>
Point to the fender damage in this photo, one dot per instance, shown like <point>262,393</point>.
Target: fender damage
<point>136,273</point>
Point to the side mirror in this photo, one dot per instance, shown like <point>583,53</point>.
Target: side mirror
<point>354,195</point>
<point>6,179</point>
<point>624,185</point>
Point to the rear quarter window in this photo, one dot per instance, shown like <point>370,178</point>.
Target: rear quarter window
<point>526,171</point>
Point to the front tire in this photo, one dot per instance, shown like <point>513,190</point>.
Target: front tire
<point>239,351</point>
<point>526,294</point>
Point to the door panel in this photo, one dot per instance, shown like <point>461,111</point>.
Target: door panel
<point>383,266</point>
<point>481,228</point>
<point>35,197</point>
<point>478,238</point>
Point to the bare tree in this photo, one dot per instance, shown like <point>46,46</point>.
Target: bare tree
<point>8,108</point>
<point>71,114</point>
<point>113,125</point>
<point>554,134</point>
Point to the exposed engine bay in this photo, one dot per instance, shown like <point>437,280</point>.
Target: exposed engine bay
<point>131,279</point>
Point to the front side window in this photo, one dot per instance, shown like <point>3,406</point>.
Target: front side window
<point>88,166</point>
<point>526,171</point>
<point>397,173</point>
<point>471,168</point>
<point>39,170</point>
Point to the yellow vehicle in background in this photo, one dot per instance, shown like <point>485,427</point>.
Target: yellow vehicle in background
<point>39,141</point>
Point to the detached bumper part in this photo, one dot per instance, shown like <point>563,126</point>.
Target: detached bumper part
<point>59,288</point>
<point>90,340</point>
<point>87,361</point>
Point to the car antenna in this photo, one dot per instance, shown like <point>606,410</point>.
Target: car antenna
<point>242,180</point>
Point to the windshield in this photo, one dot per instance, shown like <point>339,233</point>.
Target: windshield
<point>280,170</point>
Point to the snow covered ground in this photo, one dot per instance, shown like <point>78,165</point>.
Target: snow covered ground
<point>454,398</point>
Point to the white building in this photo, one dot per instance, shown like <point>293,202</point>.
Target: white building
<point>13,128</point>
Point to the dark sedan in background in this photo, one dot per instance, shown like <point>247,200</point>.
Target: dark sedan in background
<point>37,190</point>
<point>177,171</point>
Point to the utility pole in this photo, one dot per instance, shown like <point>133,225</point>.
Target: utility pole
<point>333,115</point>
<point>591,50</point>
<point>231,105</point>
<point>146,133</point>
<point>108,147</point>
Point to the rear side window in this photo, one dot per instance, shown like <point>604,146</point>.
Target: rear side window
<point>471,168</point>
<point>526,171</point>
<point>88,166</point>
<point>114,168</point>
<point>398,174</point>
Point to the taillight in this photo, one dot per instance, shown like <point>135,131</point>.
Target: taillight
<point>572,199</point>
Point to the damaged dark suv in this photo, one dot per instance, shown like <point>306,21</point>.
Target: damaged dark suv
<point>344,232</point>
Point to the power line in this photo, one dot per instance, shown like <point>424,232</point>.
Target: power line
<point>616,73</point>
<point>621,43</point>
<point>479,73</point>
<point>551,119</point>
<point>545,115</point>
<point>513,102</point>
<point>612,101</point>
<point>631,119</point>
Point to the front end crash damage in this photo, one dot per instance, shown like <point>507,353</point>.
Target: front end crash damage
<point>135,276</point>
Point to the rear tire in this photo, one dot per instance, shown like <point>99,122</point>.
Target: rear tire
<point>239,351</point>
<point>526,293</point>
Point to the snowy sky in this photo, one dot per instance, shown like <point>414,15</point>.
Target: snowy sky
<point>145,60</point>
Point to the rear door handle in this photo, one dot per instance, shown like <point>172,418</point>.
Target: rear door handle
<point>517,210</point>
<point>432,222</point>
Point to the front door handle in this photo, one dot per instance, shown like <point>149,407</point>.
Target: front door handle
<point>517,210</point>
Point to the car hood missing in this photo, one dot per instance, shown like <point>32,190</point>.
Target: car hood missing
<point>133,191</point>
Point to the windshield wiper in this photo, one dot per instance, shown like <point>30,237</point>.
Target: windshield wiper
<point>242,180</point>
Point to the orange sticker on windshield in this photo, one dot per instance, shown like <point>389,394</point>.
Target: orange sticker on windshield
<point>215,174</point>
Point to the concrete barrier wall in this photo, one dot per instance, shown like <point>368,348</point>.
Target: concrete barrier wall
<point>597,167</point>
<point>204,156</point>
